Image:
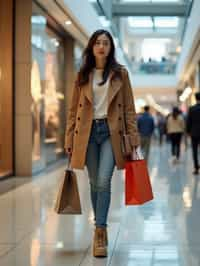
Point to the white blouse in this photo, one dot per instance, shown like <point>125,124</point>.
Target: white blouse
<point>100,95</point>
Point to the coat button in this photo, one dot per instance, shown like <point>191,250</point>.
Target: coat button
<point>79,118</point>
<point>80,105</point>
<point>76,132</point>
<point>119,104</point>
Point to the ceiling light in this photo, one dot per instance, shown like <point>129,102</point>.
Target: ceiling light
<point>59,245</point>
<point>68,22</point>
<point>178,49</point>
<point>57,43</point>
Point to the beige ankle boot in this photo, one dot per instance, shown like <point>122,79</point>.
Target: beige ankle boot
<point>105,235</point>
<point>99,244</point>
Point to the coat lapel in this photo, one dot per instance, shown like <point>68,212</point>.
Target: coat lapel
<point>88,89</point>
<point>114,87</point>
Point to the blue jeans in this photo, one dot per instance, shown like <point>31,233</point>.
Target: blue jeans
<point>100,163</point>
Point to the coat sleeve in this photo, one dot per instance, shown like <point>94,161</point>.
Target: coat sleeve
<point>129,109</point>
<point>71,118</point>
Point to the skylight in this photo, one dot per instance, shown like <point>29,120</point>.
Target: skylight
<point>166,22</point>
<point>140,22</point>
<point>165,1</point>
<point>155,22</point>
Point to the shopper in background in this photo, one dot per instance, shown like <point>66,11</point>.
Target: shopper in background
<point>146,127</point>
<point>102,102</point>
<point>193,129</point>
<point>175,130</point>
<point>161,125</point>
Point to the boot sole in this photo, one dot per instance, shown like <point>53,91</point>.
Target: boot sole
<point>100,253</point>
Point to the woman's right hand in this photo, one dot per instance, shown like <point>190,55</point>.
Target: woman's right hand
<point>68,152</point>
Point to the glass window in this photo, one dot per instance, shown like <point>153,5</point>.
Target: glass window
<point>140,22</point>
<point>166,22</point>
<point>155,22</point>
<point>154,49</point>
<point>47,90</point>
<point>78,51</point>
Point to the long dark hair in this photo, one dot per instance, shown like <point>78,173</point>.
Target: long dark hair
<point>89,60</point>
<point>175,112</point>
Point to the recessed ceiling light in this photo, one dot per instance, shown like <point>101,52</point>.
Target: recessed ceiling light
<point>68,22</point>
<point>178,49</point>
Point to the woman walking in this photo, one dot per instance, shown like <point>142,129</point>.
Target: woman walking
<point>102,101</point>
<point>175,129</point>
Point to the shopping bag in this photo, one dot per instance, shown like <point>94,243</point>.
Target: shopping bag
<point>138,188</point>
<point>68,199</point>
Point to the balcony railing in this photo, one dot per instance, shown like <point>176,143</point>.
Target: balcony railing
<point>165,68</point>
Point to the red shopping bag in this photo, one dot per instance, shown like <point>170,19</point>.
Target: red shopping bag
<point>138,188</point>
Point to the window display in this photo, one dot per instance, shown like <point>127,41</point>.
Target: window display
<point>47,90</point>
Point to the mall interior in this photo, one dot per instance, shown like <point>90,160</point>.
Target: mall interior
<point>41,47</point>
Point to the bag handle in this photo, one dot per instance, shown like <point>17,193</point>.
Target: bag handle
<point>137,154</point>
<point>69,163</point>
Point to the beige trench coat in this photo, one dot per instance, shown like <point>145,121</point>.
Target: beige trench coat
<point>80,116</point>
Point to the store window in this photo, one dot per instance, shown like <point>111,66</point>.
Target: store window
<point>47,90</point>
<point>78,51</point>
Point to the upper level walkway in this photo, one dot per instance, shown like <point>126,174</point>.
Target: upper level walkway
<point>164,232</point>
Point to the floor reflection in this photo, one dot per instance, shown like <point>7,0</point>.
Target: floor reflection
<point>162,232</point>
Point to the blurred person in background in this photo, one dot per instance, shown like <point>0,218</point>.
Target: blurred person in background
<point>175,129</point>
<point>146,127</point>
<point>161,125</point>
<point>193,129</point>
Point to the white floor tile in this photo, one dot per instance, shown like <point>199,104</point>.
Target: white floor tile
<point>4,249</point>
<point>163,232</point>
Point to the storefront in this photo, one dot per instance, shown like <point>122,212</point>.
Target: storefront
<point>6,88</point>
<point>38,62</point>
<point>48,86</point>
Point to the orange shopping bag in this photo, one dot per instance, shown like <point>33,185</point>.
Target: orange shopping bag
<point>137,183</point>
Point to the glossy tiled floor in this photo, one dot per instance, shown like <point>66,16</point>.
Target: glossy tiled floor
<point>164,232</point>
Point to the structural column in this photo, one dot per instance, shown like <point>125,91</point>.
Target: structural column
<point>6,87</point>
<point>23,117</point>
<point>70,69</point>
